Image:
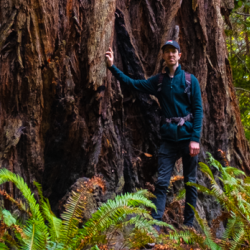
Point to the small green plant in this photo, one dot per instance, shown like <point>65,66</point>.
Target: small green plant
<point>234,198</point>
<point>43,230</point>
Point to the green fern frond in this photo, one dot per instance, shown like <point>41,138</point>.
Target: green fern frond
<point>234,198</point>
<point>184,235</point>
<point>55,224</point>
<point>56,246</point>
<point>40,190</point>
<point>172,240</point>
<point>138,238</point>
<point>238,238</point>
<point>6,175</point>
<point>200,188</point>
<point>95,248</point>
<point>198,239</point>
<point>247,180</point>
<point>227,202</point>
<point>111,213</point>
<point>102,220</point>
<point>230,229</point>
<point>8,219</point>
<point>209,241</point>
<point>144,233</point>
<point>230,186</point>
<point>21,206</point>
<point>181,194</point>
<point>12,243</point>
<point>146,226</point>
<point>145,193</point>
<point>3,246</point>
<point>206,170</point>
<point>72,215</point>
<point>34,239</point>
<point>234,171</point>
<point>138,199</point>
<point>213,162</point>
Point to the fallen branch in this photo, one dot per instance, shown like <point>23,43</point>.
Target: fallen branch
<point>246,90</point>
<point>243,14</point>
<point>243,63</point>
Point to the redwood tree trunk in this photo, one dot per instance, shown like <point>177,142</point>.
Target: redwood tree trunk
<point>62,114</point>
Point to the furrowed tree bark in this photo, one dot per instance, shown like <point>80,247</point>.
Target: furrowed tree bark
<point>63,116</point>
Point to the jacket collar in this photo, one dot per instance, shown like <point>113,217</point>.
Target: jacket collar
<point>177,71</point>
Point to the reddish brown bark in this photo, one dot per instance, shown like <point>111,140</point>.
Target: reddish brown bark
<point>62,115</point>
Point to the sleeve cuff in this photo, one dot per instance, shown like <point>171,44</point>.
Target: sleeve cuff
<point>112,67</point>
<point>195,139</point>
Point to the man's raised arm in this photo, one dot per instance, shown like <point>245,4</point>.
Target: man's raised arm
<point>147,86</point>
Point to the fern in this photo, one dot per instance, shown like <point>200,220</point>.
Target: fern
<point>8,239</point>
<point>3,246</point>
<point>206,170</point>
<point>95,248</point>
<point>36,234</point>
<point>185,235</point>
<point>72,215</point>
<point>21,206</point>
<point>55,224</point>
<point>209,241</point>
<point>144,193</point>
<point>114,212</point>
<point>181,195</point>
<point>37,218</point>
<point>234,198</point>
<point>43,230</point>
<point>143,232</point>
<point>8,219</point>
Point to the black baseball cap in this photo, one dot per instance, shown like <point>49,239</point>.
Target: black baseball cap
<point>172,43</point>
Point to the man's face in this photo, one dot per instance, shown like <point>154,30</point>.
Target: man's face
<point>171,55</point>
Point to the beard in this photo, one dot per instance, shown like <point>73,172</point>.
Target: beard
<point>166,64</point>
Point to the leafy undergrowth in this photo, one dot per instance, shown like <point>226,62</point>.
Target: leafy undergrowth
<point>185,246</point>
<point>39,229</point>
<point>128,216</point>
<point>234,199</point>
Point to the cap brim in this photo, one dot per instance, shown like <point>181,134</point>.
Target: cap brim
<point>169,45</point>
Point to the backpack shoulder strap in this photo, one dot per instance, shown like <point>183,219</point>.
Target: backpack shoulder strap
<point>188,78</point>
<point>160,79</point>
<point>188,85</point>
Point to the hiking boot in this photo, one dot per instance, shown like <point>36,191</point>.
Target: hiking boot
<point>188,225</point>
<point>150,245</point>
<point>158,229</point>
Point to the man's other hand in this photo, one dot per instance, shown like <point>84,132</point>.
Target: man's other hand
<point>109,57</point>
<point>194,148</point>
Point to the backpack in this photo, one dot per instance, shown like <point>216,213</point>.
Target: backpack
<point>188,85</point>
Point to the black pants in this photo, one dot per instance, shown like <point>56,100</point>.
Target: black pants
<point>169,153</point>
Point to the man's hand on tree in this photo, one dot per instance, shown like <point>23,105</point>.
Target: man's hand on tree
<point>109,57</point>
<point>194,148</point>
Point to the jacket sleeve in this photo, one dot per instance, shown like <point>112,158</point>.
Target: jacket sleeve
<point>147,86</point>
<point>197,110</point>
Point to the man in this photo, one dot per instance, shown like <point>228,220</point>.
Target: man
<point>182,123</point>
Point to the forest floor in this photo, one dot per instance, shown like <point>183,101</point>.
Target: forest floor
<point>184,246</point>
